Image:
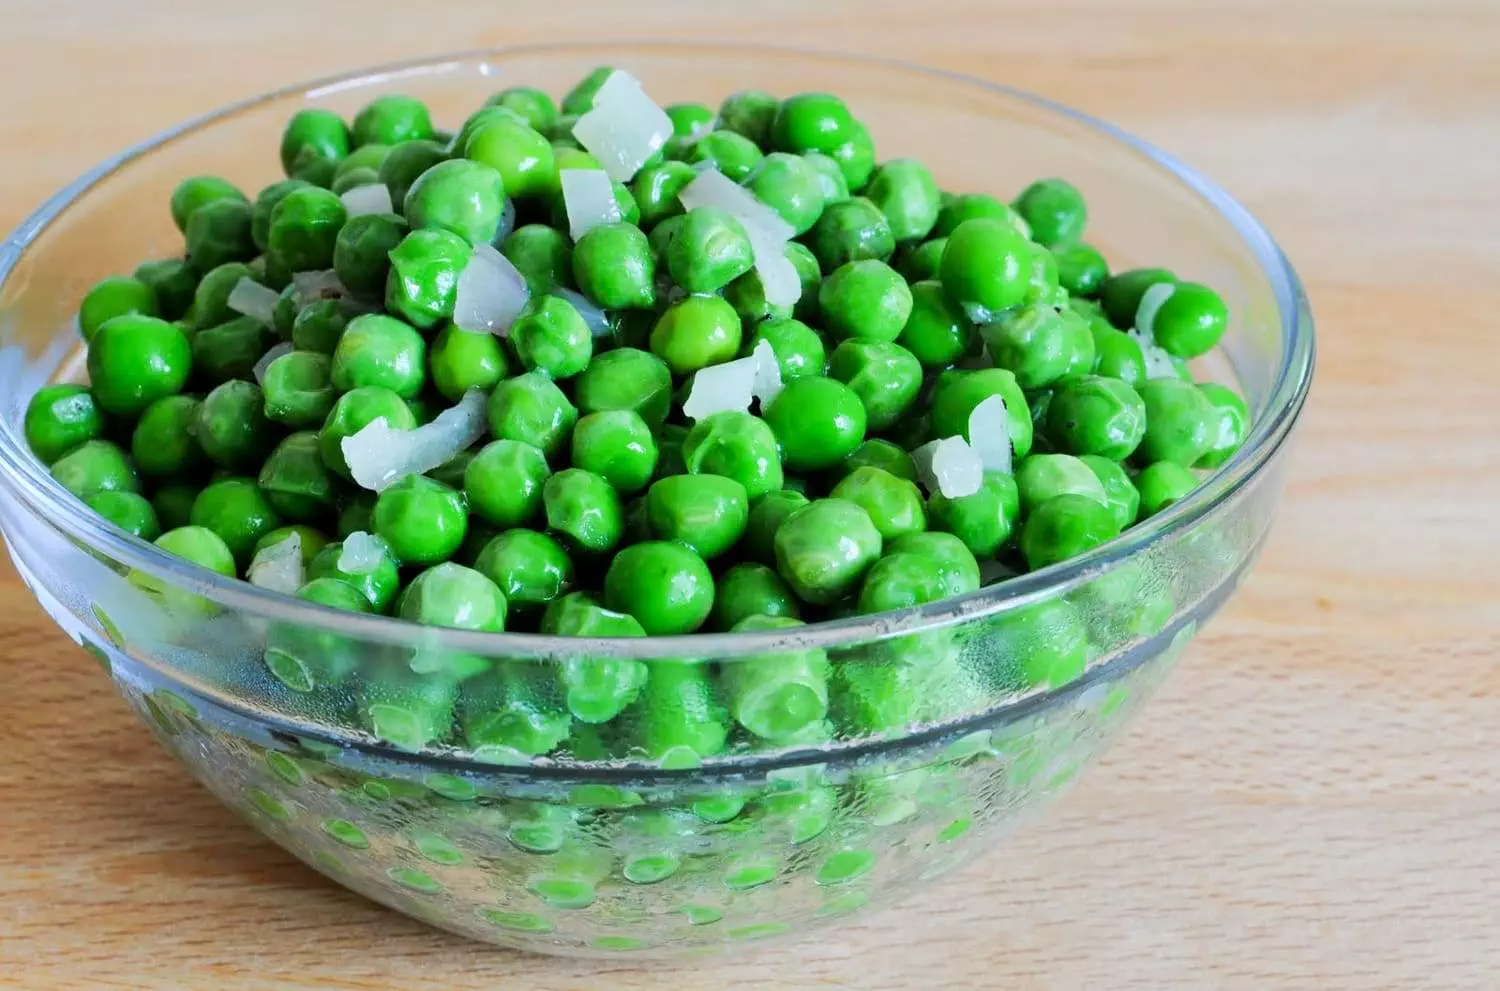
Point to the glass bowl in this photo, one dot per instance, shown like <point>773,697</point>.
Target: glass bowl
<point>951,720</point>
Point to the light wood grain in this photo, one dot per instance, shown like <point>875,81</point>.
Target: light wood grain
<point>1314,800</point>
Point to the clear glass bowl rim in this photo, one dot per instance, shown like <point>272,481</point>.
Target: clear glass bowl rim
<point>30,482</point>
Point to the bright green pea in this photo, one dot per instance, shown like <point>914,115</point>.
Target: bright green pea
<point>378,583</point>
<point>423,520</point>
<point>1042,477</point>
<point>656,188</point>
<point>196,545</point>
<point>664,585</point>
<point>778,695</point>
<point>451,595</point>
<point>580,99</point>
<point>936,332</point>
<point>531,568</point>
<point>231,349</point>
<point>885,376</point>
<point>1182,423</point>
<point>856,157</point>
<point>519,154</point>
<point>380,351</point>
<point>1163,483</point>
<point>818,422</point>
<point>530,408</point>
<point>893,504</point>
<point>93,467</point>
<point>1120,493</point>
<point>865,299</point>
<point>196,192</point>
<point>305,228</point>
<point>239,512</point>
<point>296,482</point>
<point>404,163</point>
<point>824,549</point>
<point>957,394</point>
<point>736,445</point>
<point>690,121</point>
<point>1054,210</point>
<point>852,230</point>
<point>390,118</point>
<point>696,332</point>
<point>626,379</point>
<point>1121,293</point>
<point>61,417</point>
<point>907,194</point>
<point>879,453</point>
<point>750,113</point>
<point>423,281</point>
<point>735,155</point>
<point>616,445</point>
<point>1091,414</point>
<point>830,177</point>
<point>1081,269</point>
<point>983,520</point>
<point>173,281</point>
<point>1233,419</point>
<point>922,262</point>
<point>1042,281</point>
<point>985,267</point>
<point>1117,355</point>
<point>613,266</point>
<point>798,348</point>
<point>530,104</point>
<point>766,516</point>
<point>543,255</point>
<point>552,338</point>
<point>210,306</point>
<point>790,185</point>
<point>1064,527</point>
<point>361,252</point>
<point>709,250</point>
<point>1189,322</point>
<point>460,360</point>
<point>135,360</point>
<point>1041,344</point>
<point>584,510</point>
<point>706,513</point>
<point>946,554</point>
<point>750,589</point>
<point>355,410</point>
<point>968,206</point>
<point>810,275</point>
<point>129,511</point>
<point>113,297</point>
<point>165,442</point>
<point>811,122</point>
<point>313,135</point>
<point>900,581</point>
<point>662,235</point>
<point>364,159</point>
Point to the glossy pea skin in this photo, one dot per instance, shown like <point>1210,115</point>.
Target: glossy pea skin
<point>230,349</point>
<point>1117,355</point>
<point>696,332</point>
<point>1091,414</point>
<point>1043,477</point>
<point>551,338</point>
<point>1064,527</point>
<point>543,255</point>
<point>532,409</point>
<point>626,379</point>
<point>1081,269</point>
<point>580,99</point>
<point>985,267</point>
<point>750,113</point>
<point>378,583</point>
<point>318,326</point>
<point>735,155</point>
<point>532,105</point>
<point>736,445</point>
<point>613,266</point>
<point>522,157</point>
<point>779,695</point>
<point>1233,420</point>
<point>1190,321</point>
<point>656,189</point>
<point>798,348</point>
<point>405,162</point>
<point>1121,496</point>
<point>195,192</point>
<point>196,544</point>
<point>232,426</point>
<point>1163,483</point>
<point>313,142</point>
<point>705,513</point>
<point>111,297</point>
<point>689,122</point>
<point>900,581</point>
<point>129,511</point>
<point>852,230</point>
<point>751,589</point>
<point>93,467</point>
<point>956,395</point>
<point>1054,209</point>
<point>361,252</point>
<point>1121,293</point>
<point>351,413</point>
<point>381,351</point>
<point>856,157</point>
<point>879,453</point>
<point>529,567</point>
<point>390,118</point>
<point>423,281</point>
<point>210,306</point>
<point>172,281</point>
<point>792,186</point>
<point>824,549</point>
<point>299,390</point>
<point>296,482</point>
<point>583,510</point>
<point>936,332</point>
<point>422,520</point>
<point>905,191</point>
<point>811,122</point>
<point>947,555</point>
<point>1041,345</point>
<point>766,516</point>
<point>304,229</point>
<point>893,504</point>
<point>818,421</point>
<point>664,585</point>
<point>969,206</point>
<point>616,445</point>
<point>985,520</point>
<point>709,250</point>
<point>164,443</point>
<point>364,160</point>
<point>238,511</point>
<point>135,360</point>
<point>921,262</point>
<point>885,376</point>
<point>59,418</point>
<point>865,299</point>
<point>1181,422</point>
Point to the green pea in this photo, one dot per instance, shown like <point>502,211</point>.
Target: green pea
<point>613,266</point>
<point>1041,344</point>
<point>530,104</point>
<point>305,228</point>
<point>830,177</point>
<point>423,521</point>
<point>626,379</point>
<point>543,255</point>
<point>882,454</point>
<point>885,376</point>
<point>662,235</point>
<point>580,99</point>
<point>1043,477</point>
<point>811,122</point>
<point>985,267</point>
<point>968,206</point>
<point>1189,322</point>
<point>451,595</point>
<point>584,510</point>
<point>790,185</point>
<point>93,467</point>
<point>735,155</point>
<point>173,281</point>
<point>423,281</point>
<point>656,190</point>
<point>356,510</point>
<point>750,589</point>
<point>1081,269</point>
<point>1096,415</point>
<point>1233,419</point>
<point>957,394</point>
<point>907,194</point>
<point>319,326</point>
<point>1064,527</point>
<point>210,306</point>
<point>1117,355</point>
<point>504,483</point>
<point>1162,484</point>
<point>852,230</point>
<point>1182,423</point>
<point>129,511</point>
<point>531,568</point>
<point>824,549</point>
<point>296,482</point>
<point>381,351</point>
<point>798,348</point>
<point>893,504</point>
<point>520,154</point>
<point>616,445</point>
<point>736,445</point>
<point>922,262</point>
<point>378,583</point>
<point>856,157</point>
<point>113,297</point>
<point>818,422</point>
<point>664,585</point>
<point>696,332</point>
<point>361,252</point>
<point>460,360</point>
<point>706,513</point>
<point>364,159</point>
<point>314,141</point>
<point>530,408</point>
<point>231,349</point>
<point>61,417</point>
<point>351,413</point>
<point>690,121</point>
<point>165,442</point>
<point>391,118</point>
<point>196,192</point>
<point>405,162</point>
<point>936,332</point>
<point>354,178</point>
<point>1054,210</point>
<point>174,505</point>
<point>596,689</point>
<point>1121,293</point>
<point>709,250</point>
<point>196,545</point>
<point>810,275</point>
<point>135,360</point>
<point>1120,494</point>
<point>949,557</point>
<point>778,695</point>
<point>900,581</point>
<point>766,516</point>
<point>238,511</point>
<point>866,299</point>
<point>984,520</point>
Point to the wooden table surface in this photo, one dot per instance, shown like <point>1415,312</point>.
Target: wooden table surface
<point>1314,799</point>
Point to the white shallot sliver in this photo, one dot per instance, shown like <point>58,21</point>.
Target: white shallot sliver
<point>1159,363</point>
<point>624,128</point>
<point>589,198</point>
<point>491,293</point>
<point>949,466</point>
<point>779,281</point>
<point>361,554</point>
<point>1151,301</point>
<point>372,197</point>
<point>768,382</point>
<point>592,314</point>
<point>989,434</point>
<point>379,456</point>
<point>279,568</point>
<point>716,189</point>
<point>309,287</point>
<point>718,388</point>
<point>272,353</point>
<point>254,300</point>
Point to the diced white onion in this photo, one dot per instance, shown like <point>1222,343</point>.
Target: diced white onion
<point>275,351</point>
<point>949,466</point>
<point>1151,301</point>
<point>624,127</point>
<point>768,382</point>
<point>989,434</point>
<point>380,456</point>
<point>309,287</point>
<point>779,280</point>
<point>254,301</point>
<point>595,317</point>
<point>279,568</point>
<point>716,189</point>
<point>718,388</point>
<point>373,197</point>
<point>589,198</point>
<point>491,293</point>
<point>1159,363</point>
<point>361,554</point>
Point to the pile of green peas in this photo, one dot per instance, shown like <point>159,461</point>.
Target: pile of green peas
<point>594,507</point>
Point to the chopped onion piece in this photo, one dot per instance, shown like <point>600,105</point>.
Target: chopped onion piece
<point>279,568</point>
<point>949,466</point>
<point>717,388</point>
<point>379,456</point>
<point>272,353</point>
<point>768,382</point>
<point>589,198</point>
<point>624,127</point>
<point>717,189</point>
<point>254,301</point>
<point>361,554</point>
<point>779,281</point>
<point>373,197</point>
<point>1159,363</point>
<point>989,434</point>
<point>491,293</point>
<point>313,286</point>
<point>1151,301</point>
<point>595,317</point>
